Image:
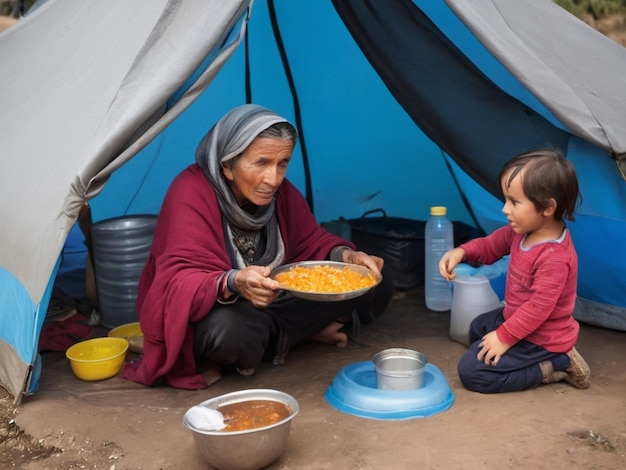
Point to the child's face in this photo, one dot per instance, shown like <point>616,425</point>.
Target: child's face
<point>520,211</point>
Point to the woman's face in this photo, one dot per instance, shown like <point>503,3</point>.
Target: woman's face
<point>258,172</point>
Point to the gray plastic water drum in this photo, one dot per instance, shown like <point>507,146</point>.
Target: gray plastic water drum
<point>121,246</point>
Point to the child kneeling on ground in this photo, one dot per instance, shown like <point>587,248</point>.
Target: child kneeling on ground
<point>530,341</point>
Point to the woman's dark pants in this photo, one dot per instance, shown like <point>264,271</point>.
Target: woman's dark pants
<point>242,335</point>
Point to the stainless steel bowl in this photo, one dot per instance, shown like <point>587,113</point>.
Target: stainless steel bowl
<point>399,369</point>
<point>325,297</point>
<point>252,449</point>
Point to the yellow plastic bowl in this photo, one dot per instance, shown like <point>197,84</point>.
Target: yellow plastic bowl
<point>132,332</point>
<point>98,358</point>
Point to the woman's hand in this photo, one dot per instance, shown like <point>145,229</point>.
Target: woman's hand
<point>373,263</point>
<point>448,262</point>
<point>491,349</point>
<point>254,284</point>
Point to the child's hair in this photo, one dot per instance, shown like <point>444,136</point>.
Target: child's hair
<point>547,175</point>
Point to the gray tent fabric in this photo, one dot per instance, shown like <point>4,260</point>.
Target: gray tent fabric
<point>89,93</point>
<point>458,87</point>
<point>85,86</point>
<point>453,100</point>
<point>563,74</point>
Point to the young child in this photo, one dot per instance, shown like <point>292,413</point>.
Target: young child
<point>530,341</point>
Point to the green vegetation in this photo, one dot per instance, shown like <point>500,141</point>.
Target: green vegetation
<point>14,7</point>
<point>595,8</point>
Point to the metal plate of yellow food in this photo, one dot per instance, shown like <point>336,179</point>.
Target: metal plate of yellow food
<point>324,281</point>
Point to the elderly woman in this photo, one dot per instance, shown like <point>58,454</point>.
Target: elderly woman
<point>205,295</point>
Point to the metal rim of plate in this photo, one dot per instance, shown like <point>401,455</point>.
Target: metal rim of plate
<point>325,296</point>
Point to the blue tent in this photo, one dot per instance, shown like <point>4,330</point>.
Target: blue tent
<point>401,105</point>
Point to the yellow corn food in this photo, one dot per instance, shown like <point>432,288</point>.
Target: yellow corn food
<point>324,279</point>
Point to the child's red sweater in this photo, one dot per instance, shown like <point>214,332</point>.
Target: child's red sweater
<point>540,290</point>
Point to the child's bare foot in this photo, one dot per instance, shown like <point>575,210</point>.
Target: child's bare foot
<point>332,335</point>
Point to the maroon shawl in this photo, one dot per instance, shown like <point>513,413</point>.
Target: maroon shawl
<point>178,285</point>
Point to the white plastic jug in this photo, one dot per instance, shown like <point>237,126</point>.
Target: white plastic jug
<point>471,296</point>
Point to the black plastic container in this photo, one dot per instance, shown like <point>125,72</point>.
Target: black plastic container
<point>399,241</point>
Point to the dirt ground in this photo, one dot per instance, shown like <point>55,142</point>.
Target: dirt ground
<point>6,22</point>
<point>118,425</point>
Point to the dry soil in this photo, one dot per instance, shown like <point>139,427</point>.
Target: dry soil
<point>116,424</point>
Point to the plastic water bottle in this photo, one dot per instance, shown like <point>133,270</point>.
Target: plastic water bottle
<point>439,238</point>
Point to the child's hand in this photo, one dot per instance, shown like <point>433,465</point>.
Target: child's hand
<point>448,262</point>
<point>491,349</point>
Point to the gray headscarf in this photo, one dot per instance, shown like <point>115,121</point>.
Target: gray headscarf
<point>228,138</point>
